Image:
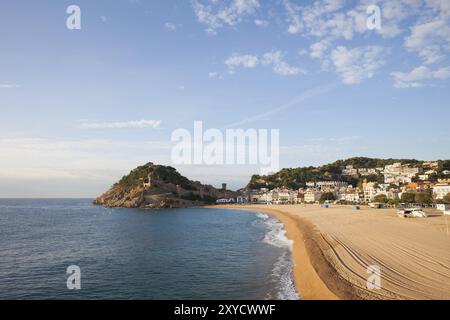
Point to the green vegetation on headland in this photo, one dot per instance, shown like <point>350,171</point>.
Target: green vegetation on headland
<point>165,174</point>
<point>157,186</point>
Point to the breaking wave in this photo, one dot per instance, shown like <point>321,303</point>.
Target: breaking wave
<point>282,269</point>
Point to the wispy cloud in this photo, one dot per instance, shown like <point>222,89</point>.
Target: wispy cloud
<point>327,25</point>
<point>247,61</point>
<point>8,86</point>
<point>355,65</point>
<point>279,66</point>
<point>431,40</point>
<point>170,26</point>
<point>260,23</point>
<point>327,22</point>
<point>275,59</point>
<point>121,125</point>
<point>216,14</point>
<point>418,77</point>
<point>319,48</point>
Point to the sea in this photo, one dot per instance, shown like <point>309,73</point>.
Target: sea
<point>70,249</point>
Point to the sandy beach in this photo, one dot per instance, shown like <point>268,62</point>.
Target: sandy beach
<point>334,247</point>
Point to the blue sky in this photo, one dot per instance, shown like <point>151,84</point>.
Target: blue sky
<point>80,108</point>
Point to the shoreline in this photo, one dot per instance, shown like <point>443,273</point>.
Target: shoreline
<point>333,248</point>
<point>308,283</point>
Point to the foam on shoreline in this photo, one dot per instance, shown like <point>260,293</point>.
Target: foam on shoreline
<point>283,267</point>
<point>306,279</point>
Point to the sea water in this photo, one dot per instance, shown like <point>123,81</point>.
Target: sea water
<point>194,253</point>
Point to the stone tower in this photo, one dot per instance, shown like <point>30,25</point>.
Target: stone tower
<point>148,181</point>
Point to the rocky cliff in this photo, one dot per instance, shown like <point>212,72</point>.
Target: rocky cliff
<point>156,186</point>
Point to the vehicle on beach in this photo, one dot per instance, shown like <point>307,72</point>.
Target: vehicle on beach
<point>412,213</point>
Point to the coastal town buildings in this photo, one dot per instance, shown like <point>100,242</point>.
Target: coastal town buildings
<point>350,197</point>
<point>331,184</point>
<point>398,173</point>
<point>431,164</point>
<point>225,200</point>
<point>441,190</point>
<point>261,196</point>
<point>363,172</point>
<point>241,199</point>
<point>350,171</point>
<point>312,196</point>
<point>367,171</point>
<point>392,181</point>
<point>370,191</point>
<point>284,196</point>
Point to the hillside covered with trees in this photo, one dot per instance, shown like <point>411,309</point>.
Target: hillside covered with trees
<point>157,186</point>
<point>295,178</point>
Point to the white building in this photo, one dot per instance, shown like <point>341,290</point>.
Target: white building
<point>225,200</point>
<point>332,184</point>
<point>241,199</point>
<point>441,190</point>
<point>311,196</point>
<point>293,196</point>
<point>367,171</point>
<point>432,164</point>
<point>351,197</point>
<point>349,171</point>
<point>398,173</point>
<point>262,197</point>
<point>284,196</point>
<point>363,172</point>
<point>393,195</point>
<point>370,191</point>
<point>280,197</point>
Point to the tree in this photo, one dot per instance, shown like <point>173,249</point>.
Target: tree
<point>447,198</point>
<point>394,202</point>
<point>423,197</point>
<point>445,165</point>
<point>408,197</point>
<point>382,198</point>
<point>328,196</point>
